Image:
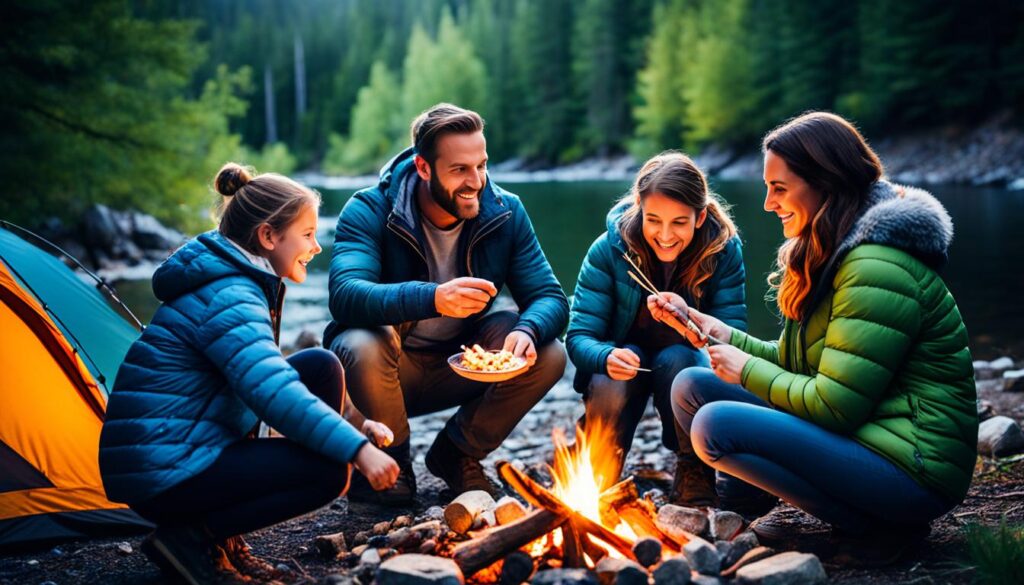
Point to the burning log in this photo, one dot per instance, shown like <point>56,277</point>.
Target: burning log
<point>623,500</point>
<point>538,495</point>
<point>572,548</point>
<point>465,509</point>
<point>489,546</point>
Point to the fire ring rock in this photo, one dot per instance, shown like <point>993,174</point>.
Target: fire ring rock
<point>415,569</point>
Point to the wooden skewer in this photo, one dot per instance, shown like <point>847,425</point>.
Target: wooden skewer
<point>636,369</point>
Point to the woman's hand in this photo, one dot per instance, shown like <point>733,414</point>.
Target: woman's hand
<point>378,467</point>
<point>378,433</point>
<point>728,362</point>
<point>670,309</point>
<point>711,326</point>
<point>622,364</point>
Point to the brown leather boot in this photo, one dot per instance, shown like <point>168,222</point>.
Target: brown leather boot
<point>192,553</point>
<point>241,556</point>
<point>694,482</point>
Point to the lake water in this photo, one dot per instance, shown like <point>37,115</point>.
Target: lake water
<point>984,270</point>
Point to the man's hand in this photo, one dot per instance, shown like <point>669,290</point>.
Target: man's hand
<point>728,362</point>
<point>378,433</point>
<point>622,364</point>
<point>521,345</point>
<point>378,467</point>
<point>464,296</point>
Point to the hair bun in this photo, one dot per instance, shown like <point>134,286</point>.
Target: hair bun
<point>231,178</point>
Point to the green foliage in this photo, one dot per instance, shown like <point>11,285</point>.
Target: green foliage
<point>96,109</point>
<point>374,130</point>
<point>997,552</point>
<point>661,111</point>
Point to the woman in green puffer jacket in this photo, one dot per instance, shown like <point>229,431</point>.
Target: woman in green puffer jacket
<point>863,412</point>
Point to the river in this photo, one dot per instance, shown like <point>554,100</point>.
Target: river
<point>983,273</point>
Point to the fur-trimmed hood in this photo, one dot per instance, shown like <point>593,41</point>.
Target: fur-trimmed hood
<point>907,218</point>
<point>898,216</point>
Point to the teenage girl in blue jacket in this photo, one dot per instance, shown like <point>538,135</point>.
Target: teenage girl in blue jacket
<point>179,443</point>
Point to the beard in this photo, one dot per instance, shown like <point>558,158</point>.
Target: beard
<point>449,201</point>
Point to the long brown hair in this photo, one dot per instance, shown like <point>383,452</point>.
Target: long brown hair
<point>251,200</point>
<point>828,153</point>
<point>677,177</point>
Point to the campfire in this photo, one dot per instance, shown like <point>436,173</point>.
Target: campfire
<point>586,519</point>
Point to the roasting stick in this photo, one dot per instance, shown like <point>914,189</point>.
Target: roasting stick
<point>648,286</point>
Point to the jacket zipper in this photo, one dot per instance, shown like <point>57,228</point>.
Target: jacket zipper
<point>407,237</point>
<point>484,230</point>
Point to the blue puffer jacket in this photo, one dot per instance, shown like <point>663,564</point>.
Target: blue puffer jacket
<point>202,375</point>
<point>607,299</point>
<point>379,272</point>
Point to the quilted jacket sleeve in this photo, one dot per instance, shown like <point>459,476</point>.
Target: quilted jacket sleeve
<point>875,317</point>
<point>545,310</point>
<point>237,336</point>
<point>592,309</point>
<point>728,302</point>
<point>765,350</point>
<point>357,297</point>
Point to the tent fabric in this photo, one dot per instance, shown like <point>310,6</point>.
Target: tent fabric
<point>51,404</point>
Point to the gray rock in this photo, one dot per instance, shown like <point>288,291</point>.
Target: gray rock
<point>741,545</point>
<point>1001,364</point>
<point>679,522</point>
<point>337,579</point>
<point>702,556</point>
<point>673,571</point>
<point>784,569</point>
<point>1000,436</point>
<point>985,410</point>
<point>150,234</point>
<point>706,580</point>
<point>982,370</point>
<point>725,525</point>
<point>647,551</point>
<point>1013,381</point>
<point>564,577</point>
<point>611,571</point>
<point>431,513</point>
<point>414,569</point>
<point>724,548</point>
<point>750,557</point>
<point>370,556</point>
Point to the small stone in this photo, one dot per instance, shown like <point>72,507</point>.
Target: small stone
<point>1000,436</point>
<point>378,541</point>
<point>706,580</point>
<point>414,569</point>
<point>381,528</point>
<point>337,579</point>
<point>673,571</point>
<point>751,556</point>
<point>611,571</point>
<point>361,537</point>
<point>985,410</point>
<point>1013,381</point>
<point>283,568</point>
<point>681,523</point>
<point>725,525</point>
<point>982,370</point>
<point>428,547</point>
<point>124,548</point>
<point>724,547</point>
<point>57,551</point>
<point>647,551</point>
<point>740,546</point>
<point>402,522</point>
<point>516,568</point>
<point>48,583</point>
<point>371,556</point>
<point>784,569</point>
<point>702,556</point>
<point>632,575</point>
<point>32,563</point>
<point>431,513</point>
<point>564,577</point>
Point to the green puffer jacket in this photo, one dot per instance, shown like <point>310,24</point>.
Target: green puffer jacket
<point>883,355</point>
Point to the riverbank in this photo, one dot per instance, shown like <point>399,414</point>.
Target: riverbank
<point>989,154</point>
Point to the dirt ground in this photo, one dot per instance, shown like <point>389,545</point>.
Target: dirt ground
<point>997,491</point>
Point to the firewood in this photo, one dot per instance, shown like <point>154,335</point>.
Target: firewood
<point>464,510</point>
<point>623,500</point>
<point>508,510</point>
<point>516,569</point>
<point>572,548</point>
<point>491,545</point>
<point>538,495</point>
<point>331,545</point>
<point>595,552</point>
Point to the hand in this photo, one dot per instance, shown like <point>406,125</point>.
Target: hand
<point>619,362</point>
<point>378,433</point>
<point>521,345</point>
<point>670,309</point>
<point>728,362</point>
<point>464,296</point>
<point>378,467</point>
<point>711,326</point>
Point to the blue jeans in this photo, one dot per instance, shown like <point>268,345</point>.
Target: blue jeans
<point>623,402</point>
<point>829,476</point>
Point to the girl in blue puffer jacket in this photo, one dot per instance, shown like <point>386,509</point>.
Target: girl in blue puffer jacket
<point>178,444</point>
<point>671,232</point>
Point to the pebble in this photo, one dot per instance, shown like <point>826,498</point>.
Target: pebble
<point>124,548</point>
<point>672,571</point>
<point>680,523</point>
<point>788,568</point>
<point>647,551</point>
<point>564,577</point>
<point>702,556</point>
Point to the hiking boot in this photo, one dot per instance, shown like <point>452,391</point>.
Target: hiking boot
<point>241,556</point>
<point>877,547</point>
<point>461,472</point>
<point>399,495</point>
<point>693,484</point>
<point>191,552</point>
<point>752,507</point>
